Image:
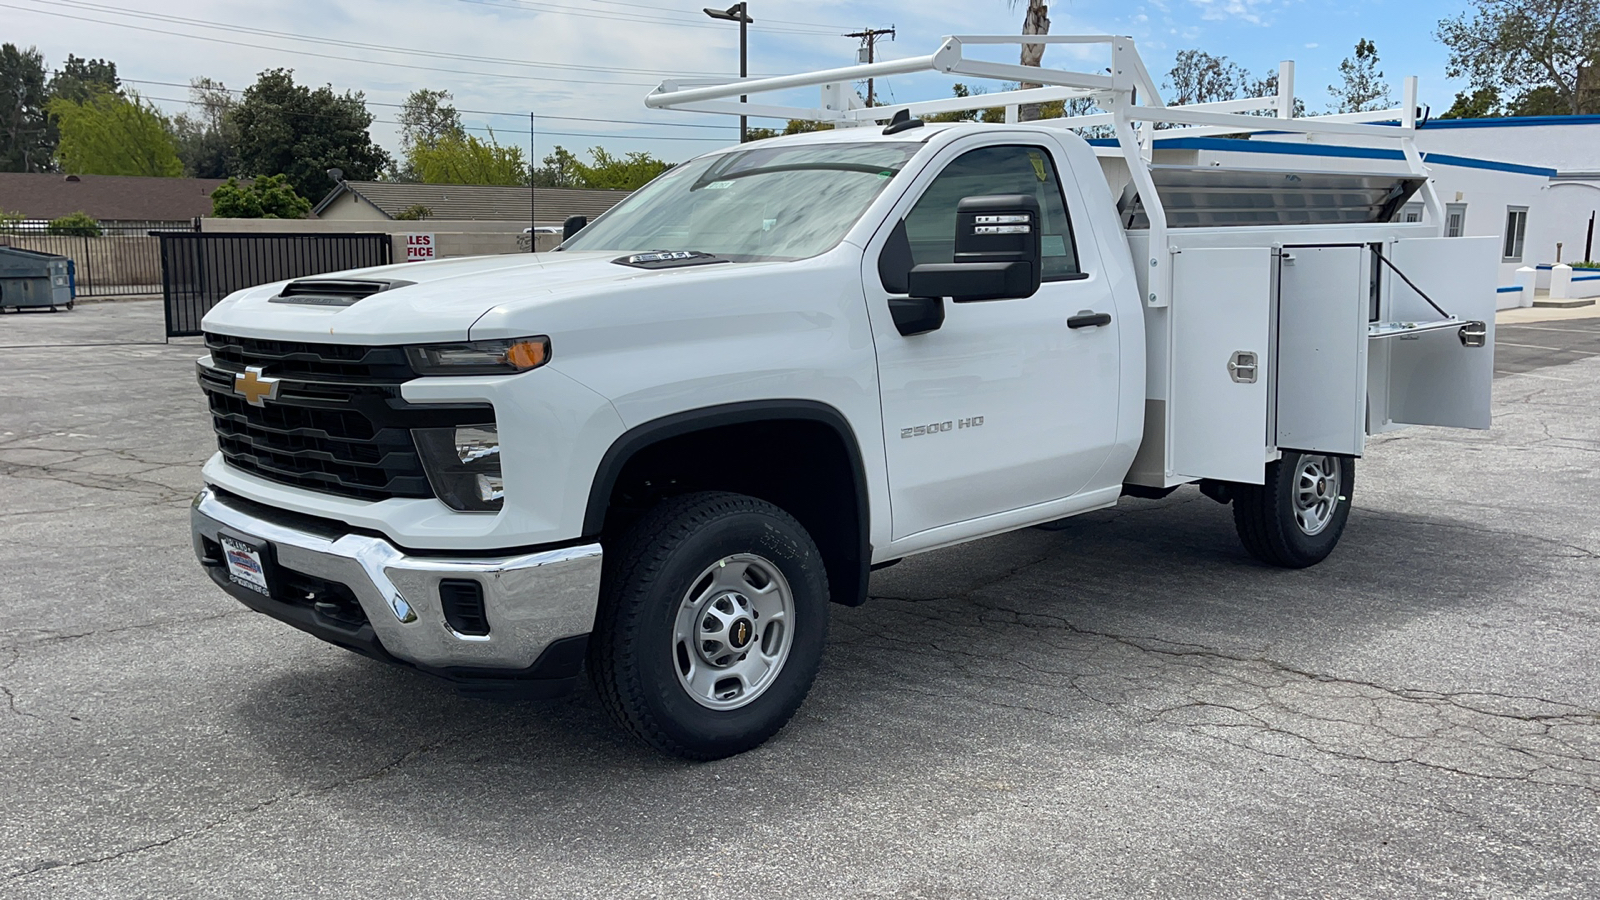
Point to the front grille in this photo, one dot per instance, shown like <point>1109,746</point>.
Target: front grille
<point>338,423</point>
<point>295,359</point>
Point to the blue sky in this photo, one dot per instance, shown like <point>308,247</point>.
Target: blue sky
<point>502,58</point>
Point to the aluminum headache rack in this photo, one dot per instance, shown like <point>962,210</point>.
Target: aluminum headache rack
<point>1131,107</point>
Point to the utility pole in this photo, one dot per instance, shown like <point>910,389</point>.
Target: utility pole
<point>869,42</point>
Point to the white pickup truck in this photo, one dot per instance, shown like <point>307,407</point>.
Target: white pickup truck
<point>661,451</point>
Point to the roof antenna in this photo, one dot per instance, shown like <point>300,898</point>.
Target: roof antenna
<point>902,121</point>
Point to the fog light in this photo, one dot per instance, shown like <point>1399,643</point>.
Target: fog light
<point>463,465</point>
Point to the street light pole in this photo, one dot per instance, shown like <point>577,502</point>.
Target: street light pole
<point>739,12</point>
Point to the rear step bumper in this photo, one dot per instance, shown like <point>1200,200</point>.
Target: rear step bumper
<point>362,593</point>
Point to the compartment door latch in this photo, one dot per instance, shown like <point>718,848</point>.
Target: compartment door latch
<point>1242,367</point>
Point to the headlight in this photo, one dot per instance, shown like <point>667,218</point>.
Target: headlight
<point>480,357</point>
<point>463,465</point>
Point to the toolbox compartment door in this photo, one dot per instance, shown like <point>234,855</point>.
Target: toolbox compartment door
<point>1221,306</point>
<point>1431,377</point>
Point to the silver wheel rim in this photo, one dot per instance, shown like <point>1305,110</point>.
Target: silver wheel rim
<point>1316,493</point>
<point>733,631</point>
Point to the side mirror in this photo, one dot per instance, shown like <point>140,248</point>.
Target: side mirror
<point>573,225</point>
<point>997,252</point>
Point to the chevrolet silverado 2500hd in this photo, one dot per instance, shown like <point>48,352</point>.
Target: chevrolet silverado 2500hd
<point>661,451</point>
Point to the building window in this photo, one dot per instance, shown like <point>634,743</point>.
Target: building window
<point>1455,219</point>
<point>1516,232</point>
<point>1411,212</point>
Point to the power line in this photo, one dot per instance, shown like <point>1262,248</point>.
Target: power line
<point>532,6</point>
<point>764,19</point>
<point>375,62</point>
<point>481,112</point>
<point>627,137</point>
<point>293,36</point>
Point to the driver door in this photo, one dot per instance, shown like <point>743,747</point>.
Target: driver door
<point>1005,406</point>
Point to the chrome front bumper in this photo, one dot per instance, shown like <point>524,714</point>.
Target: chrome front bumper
<point>534,602</point>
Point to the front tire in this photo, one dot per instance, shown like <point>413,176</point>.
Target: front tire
<point>712,620</point>
<point>1295,519</point>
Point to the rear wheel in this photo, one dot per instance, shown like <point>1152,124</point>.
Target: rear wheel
<point>712,620</point>
<point>1296,518</point>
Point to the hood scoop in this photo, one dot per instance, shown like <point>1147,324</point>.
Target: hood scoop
<point>334,291</point>
<point>668,259</point>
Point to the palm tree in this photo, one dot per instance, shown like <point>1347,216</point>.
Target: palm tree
<point>1036,21</point>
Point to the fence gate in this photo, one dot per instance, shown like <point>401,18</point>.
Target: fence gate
<point>197,270</point>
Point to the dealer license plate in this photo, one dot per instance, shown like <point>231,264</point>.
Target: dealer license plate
<point>244,565</point>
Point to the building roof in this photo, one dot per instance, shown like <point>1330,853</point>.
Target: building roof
<point>477,201</point>
<point>106,197</point>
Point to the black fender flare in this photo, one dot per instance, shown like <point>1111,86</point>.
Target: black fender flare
<point>849,589</point>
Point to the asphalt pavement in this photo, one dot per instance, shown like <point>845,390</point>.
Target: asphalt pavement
<point>1126,706</point>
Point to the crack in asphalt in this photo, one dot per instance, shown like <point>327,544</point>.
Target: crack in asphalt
<point>46,638</point>
<point>232,815</point>
<point>1265,706</point>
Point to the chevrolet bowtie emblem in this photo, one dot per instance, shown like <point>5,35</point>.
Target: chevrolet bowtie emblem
<point>256,388</point>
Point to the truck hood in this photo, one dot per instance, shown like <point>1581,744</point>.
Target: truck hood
<point>440,303</point>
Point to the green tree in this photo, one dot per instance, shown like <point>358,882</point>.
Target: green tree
<point>1519,46</point>
<point>426,118</point>
<point>465,159</point>
<point>1483,103</point>
<point>80,79</point>
<point>289,129</point>
<point>112,134</point>
<point>1362,88</point>
<point>205,136</point>
<point>628,172</point>
<point>27,140</point>
<point>1199,77</point>
<point>79,224</point>
<point>269,197</point>
<point>1543,100</point>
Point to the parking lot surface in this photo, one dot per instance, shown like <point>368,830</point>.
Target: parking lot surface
<point>1125,705</point>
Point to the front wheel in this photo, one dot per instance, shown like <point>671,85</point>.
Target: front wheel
<point>712,620</point>
<point>1295,519</point>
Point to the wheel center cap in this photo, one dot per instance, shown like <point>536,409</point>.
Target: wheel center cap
<point>1322,486</point>
<point>740,633</point>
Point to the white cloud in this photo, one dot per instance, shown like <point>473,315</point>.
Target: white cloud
<point>1251,11</point>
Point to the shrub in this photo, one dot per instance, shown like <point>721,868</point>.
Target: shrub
<point>80,224</point>
<point>270,197</point>
<point>413,213</point>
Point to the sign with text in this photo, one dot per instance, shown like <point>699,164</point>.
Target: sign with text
<point>419,247</point>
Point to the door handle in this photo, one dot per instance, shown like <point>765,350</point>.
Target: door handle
<point>1087,319</point>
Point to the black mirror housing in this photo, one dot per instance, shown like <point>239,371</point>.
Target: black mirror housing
<point>998,252</point>
<point>573,225</point>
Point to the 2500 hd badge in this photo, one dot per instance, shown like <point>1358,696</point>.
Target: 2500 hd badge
<point>941,427</point>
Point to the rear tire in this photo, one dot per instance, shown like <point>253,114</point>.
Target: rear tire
<point>712,620</point>
<point>1295,519</point>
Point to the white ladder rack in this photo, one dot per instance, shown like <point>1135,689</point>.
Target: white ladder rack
<point>1127,93</point>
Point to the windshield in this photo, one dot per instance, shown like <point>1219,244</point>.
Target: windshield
<point>759,203</point>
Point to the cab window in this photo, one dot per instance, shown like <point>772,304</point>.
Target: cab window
<point>931,224</point>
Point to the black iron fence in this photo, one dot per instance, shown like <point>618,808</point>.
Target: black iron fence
<point>123,259</point>
<point>199,269</point>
